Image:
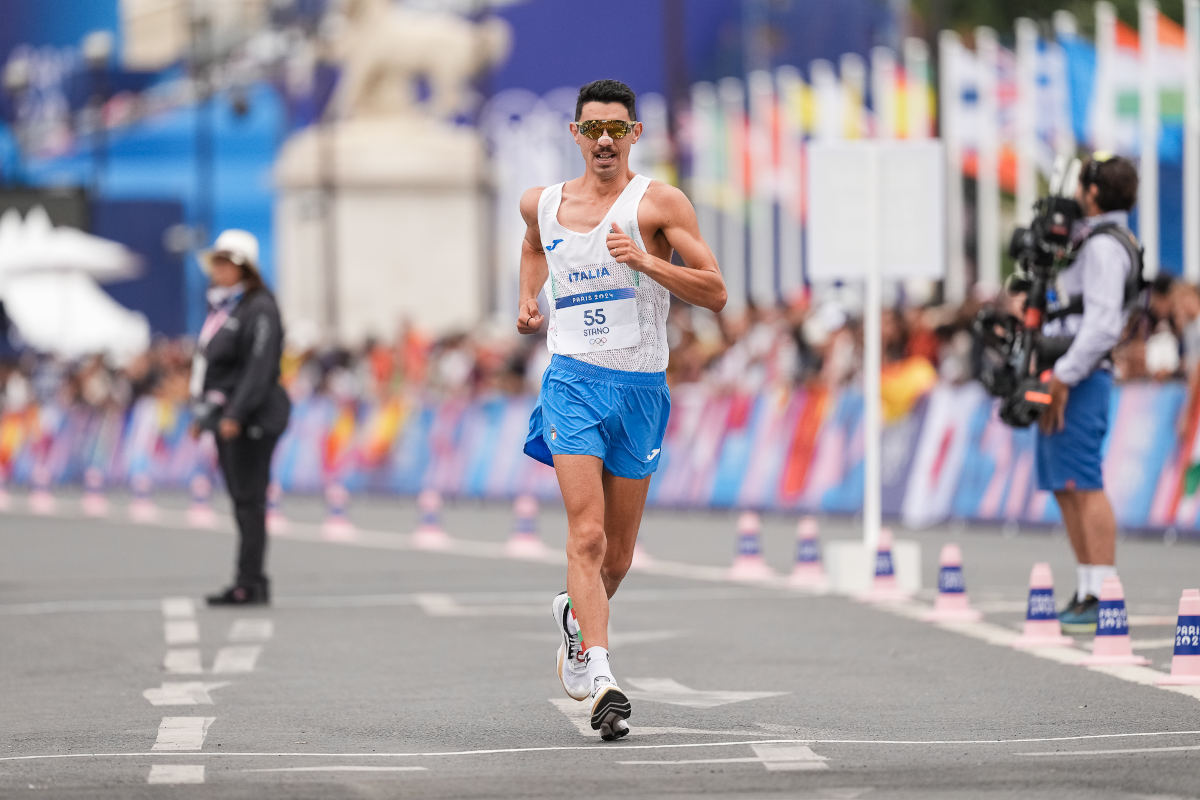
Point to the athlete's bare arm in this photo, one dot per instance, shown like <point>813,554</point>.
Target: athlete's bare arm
<point>670,220</point>
<point>534,270</point>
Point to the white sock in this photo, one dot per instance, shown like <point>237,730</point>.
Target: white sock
<point>1083,574</point>
<point>597,663</point>
<point>1099,573</point>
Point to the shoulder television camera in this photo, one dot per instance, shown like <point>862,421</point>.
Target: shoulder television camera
<point>1012,355</point>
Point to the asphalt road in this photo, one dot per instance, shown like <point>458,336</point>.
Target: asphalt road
<point>383,670</point>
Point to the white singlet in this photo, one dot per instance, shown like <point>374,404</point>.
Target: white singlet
<point>601,311</point>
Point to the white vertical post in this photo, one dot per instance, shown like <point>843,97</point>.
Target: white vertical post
<point>916,69</point>
<point>1104,92</point>
<point>950,94</point>
<point>733,217</point>
<point>1191,146</point>
<point>761,90</point>
<point>1148,126</point>
<point>789,86</point>
<point>873,362</point>
<point>883,92</point>
<point>987,203</point>
<point>1026,118</point>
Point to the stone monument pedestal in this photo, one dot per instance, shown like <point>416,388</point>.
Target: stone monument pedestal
<point>379,221</point>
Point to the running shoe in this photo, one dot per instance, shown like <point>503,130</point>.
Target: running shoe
<point>572,669</point>
<point>1081,617</point>
<point>610,708</point>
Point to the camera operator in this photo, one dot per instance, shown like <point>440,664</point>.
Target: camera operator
<point>1072,428</point>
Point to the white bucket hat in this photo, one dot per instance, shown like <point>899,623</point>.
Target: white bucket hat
<point>240,247</point>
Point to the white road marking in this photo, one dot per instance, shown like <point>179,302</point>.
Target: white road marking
<point>775,757</point>
<point>178,607</point>
<point>251,630</point>
<point>176,773</point>
<point>350,768</point>
<point>789,757</point>
<point>183,661</point>
<point>592,748</point>
<point>667,690</point>
<point>580,715</point>
<point>181,631</point>
<point>182,733</point>
<point>1122,751</point>
<point>190,693</point>
<point>1151,644</point>
<point>615,638</point>
<point>444,605</point>
<point>236,659</point>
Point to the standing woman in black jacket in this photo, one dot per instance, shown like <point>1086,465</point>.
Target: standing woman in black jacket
<point>237,395</point>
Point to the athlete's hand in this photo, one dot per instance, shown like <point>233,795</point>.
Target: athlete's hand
<point>622,248</point>
<point>529,318</point>
<point>1053,419</point>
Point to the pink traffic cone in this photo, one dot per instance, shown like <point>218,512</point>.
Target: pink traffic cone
<point>337,525</point>
<point>1042,628</point>
<point>952,604</point>
<point>94,503</point>
<point>200,513</point>
<point>141,507</point>
<point>748,564</point>
<point>808,573</point>
<point>41,499</point>
<point>1112,644</point>
<point>429,534</point>
<point>277,523</point>
<point>524,541</point>
<point>884,588</point>
<point>641,559</point>
<point>1185,664</point>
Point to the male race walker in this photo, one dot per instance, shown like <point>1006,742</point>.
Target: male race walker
<point>600,245</point>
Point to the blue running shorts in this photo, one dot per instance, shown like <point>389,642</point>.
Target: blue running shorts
<point>1073,457</point>
<point>618,416</point>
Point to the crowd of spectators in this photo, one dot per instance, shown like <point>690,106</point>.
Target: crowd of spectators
<point>809,343</point>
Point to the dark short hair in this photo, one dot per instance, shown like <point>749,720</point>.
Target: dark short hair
<point>607,91</point>
<point>1116,182</point>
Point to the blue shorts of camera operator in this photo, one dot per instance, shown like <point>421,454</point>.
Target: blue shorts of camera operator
<point>618,416</point>
<point>1073,458</point>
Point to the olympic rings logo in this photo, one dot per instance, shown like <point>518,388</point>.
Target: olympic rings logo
<point>599,340</point>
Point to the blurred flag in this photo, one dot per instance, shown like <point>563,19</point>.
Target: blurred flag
<point>1055,133</point>
<point>1170,69</point>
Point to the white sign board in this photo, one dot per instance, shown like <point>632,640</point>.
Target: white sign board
<point>902,182</point>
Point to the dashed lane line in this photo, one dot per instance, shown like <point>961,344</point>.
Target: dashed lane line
<point>176,773</point>
<point>182,733</point>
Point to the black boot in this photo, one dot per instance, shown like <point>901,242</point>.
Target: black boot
<point>254,594</point>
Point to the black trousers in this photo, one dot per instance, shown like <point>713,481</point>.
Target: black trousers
<point>246,466</point>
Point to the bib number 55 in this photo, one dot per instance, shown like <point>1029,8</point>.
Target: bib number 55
<point>594,317</point>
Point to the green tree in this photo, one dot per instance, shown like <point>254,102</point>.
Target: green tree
<point>965,15</point>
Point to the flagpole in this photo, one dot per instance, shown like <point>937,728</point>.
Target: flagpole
<point>1026,121</point>
<point>883,92</point>
<point>789,88</point>
<point>987,252</point>
<point>854,87</point>
<point>705,142</point>
<point>761,91</point>
<point>1191,145</point>
<point>916,77</point>
<point>949,94</point>
<point>1064,135</point>
<point>732,98</point>
<point>1104,95</point>
<point>1149,129</point>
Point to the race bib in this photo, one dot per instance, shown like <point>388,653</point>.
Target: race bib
<point>595,321</point>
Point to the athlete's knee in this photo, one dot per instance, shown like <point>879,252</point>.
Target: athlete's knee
<point>585,542</point>
<point>612,573</point>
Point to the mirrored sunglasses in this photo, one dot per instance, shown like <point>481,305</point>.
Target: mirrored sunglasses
<point>595,128</point>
